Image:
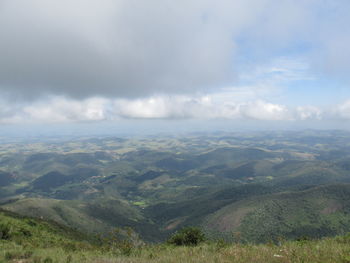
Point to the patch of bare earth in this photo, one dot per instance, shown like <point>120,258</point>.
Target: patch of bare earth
<point>332,208</point>
<point>174,223</point>
<point>231,221</point>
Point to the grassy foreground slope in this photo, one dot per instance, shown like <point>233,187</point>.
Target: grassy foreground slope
<point>21,238</point>
<point>324,251</point>
<point>24,239</point>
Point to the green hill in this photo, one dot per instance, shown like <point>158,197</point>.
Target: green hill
<point>313,213</point>
<point>95,217</point>
<point>25,239</point>
<point>20,236</point>
<point>156,185</point>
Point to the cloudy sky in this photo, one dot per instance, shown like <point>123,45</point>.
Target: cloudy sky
<point>91,61</point>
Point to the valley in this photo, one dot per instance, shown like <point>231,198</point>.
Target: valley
<point>247,187</point>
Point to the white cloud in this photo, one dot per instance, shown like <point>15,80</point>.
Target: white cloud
<point>261,110</point>
<point>57,110</point>
<point>342,111</point>
<point>154,107</point>
<point>309,113</point>
<point>209,107</point>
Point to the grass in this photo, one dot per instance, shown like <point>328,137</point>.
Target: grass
<point>325,250</point>
<point>141,204</point>
<point>30,240</point>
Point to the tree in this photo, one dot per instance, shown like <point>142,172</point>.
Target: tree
<point>188,236</point>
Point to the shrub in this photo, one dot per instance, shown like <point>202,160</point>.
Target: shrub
<point>5,231</point>
<point>188,236</point>
<point>125,240</point>
<point>25,232</point>
<point>18,255</point>
<point>48,260</point>
<point>221,244</point>
<point>343,239</point>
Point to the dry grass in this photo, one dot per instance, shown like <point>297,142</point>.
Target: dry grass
<point>326,250</point>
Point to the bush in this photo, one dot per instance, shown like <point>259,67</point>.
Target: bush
<point>343,239</point>
<point>188,236</point>
<point>18,255</point>
<point>48,260</point>
<point>125,240</point>
<point>5,231</point>
<point>25,232</point>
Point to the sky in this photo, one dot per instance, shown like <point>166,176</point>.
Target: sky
<point>270,63</point>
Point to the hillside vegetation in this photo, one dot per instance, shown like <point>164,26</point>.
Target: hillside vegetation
<point>294,184</point>
<point>24,239</point>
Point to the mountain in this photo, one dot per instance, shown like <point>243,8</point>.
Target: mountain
<point>312,213</point>
<point>157,185</point>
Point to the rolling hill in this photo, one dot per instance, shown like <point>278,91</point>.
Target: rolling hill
<point>157,185</point>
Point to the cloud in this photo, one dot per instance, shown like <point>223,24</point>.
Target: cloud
<point>205,107</point>
<point>331,55</point>
<point>120,48</point>
<point>309,113</point>
<point>209,107</point>
<point>135,49</point>
<point>57,110</point>
<point>109,60</point>
<point>261,110</point>
<point>342,111</point>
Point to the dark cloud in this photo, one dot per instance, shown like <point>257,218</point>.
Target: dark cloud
<point>129,48</point>
<point>125,48</point>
